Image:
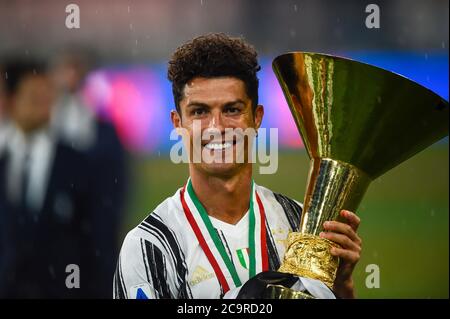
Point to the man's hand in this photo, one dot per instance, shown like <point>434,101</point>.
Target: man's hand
<point>344,234</point>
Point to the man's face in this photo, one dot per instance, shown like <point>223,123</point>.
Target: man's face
<point>215,106</point>
<point>31,103</point>
<point>68,76</point>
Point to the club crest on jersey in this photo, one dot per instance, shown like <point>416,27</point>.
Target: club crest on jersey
<point>243,257</point>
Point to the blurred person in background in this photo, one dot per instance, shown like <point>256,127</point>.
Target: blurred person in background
<point>74,121</point>
<point>46,207</point>
<point>77,126</point>
<point>3,228</point>
<point>3,110</point>
<point>2,94</point>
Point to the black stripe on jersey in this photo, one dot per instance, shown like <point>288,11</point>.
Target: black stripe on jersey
<point>120,292</point>
<point>167,238</point>
<point>224,241</point>
<point>145,259</point>
<point>157,265</point>
<point>162,239</point>
<point>149,257</point>
<point>292,210</point>
<point>117,292</point>
<point>272,252</point>
<point>154,225</point>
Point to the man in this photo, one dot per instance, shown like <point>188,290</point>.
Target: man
<point>46,213</point>
<point>76,125</point>
<point>220,229</point>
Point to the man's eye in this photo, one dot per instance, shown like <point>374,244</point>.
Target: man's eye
<point>198,112</point>
<point>232,110</point>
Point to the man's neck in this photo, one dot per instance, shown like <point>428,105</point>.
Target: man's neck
<point>224,198</point>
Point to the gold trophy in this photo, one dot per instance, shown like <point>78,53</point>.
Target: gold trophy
<point>357,122</point>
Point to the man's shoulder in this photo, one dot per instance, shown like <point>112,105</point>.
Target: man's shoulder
<point>278,197</point>
<point>281,205</point>
<point>160,225</point>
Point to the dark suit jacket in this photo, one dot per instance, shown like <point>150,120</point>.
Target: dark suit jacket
<point>36,247</point>
<point>108,184</point>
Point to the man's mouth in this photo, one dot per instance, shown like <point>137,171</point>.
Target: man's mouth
<point>219,145</point>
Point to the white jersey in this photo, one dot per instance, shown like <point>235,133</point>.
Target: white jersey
<point>163,257</point>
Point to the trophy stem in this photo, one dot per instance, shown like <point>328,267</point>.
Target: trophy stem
<point>332,186</point>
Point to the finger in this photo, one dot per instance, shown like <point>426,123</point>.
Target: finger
<point>343,228</point>
<point>351,218</point>
<point>342,240</point>
<point>349,256</point>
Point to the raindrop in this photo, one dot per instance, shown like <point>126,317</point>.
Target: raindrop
<point>131,26</point>
<point>6,75</point>
<point>115,180</point>
<point>128,9</point>
<point>432,213</point>
<point>426,56</point>
<point>136,42</point>
<point>292,33</point>
<point>443,44</point>
<point>201,2</point>
<point>295,8</point>
<point>375,254</point>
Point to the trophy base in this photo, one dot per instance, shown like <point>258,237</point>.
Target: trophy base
<point>281,292</point>
<point>278,285</point>
<point>309,256</point>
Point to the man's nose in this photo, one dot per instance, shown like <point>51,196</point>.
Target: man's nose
<point>217,122</point>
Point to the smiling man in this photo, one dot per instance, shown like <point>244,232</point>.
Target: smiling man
<point>220,229</point>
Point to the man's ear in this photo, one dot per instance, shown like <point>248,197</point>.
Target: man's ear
<point>175,118</point>
<point>259,114</point>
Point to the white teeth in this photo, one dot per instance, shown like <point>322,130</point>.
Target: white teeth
<point>218,146</point>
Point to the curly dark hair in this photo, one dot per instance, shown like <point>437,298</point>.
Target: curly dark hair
<point>214,55</point>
